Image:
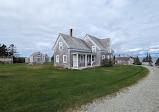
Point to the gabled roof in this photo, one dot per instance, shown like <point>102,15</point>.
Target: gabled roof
<point>35,53</point>
<point>74,43</point>
<point>103,44</point>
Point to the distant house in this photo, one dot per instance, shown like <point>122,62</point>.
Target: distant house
<point>74,53</point>
<point>146,64</point>
<point>38,57</point>
<point>126,60</point>
<point>6,60</point>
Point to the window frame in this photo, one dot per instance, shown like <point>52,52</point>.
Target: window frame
<point>60,45</point>
<point>64,61</point>
<point>57,58</point>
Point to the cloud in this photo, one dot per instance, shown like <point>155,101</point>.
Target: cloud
<point>35,24</point>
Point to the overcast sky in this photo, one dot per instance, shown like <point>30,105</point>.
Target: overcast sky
<point>33,25</point>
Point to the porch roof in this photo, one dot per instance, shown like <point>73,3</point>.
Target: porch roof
<point>83,53</point>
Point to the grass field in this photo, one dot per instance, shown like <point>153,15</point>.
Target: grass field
<point>44,88</point>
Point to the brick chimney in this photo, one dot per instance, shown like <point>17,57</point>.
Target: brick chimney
<point>71,32</point>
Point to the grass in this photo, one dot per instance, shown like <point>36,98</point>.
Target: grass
<point>44,88</point>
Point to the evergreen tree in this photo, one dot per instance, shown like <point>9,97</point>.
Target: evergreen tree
<point>137,61</point>
<point>114,60</point>
<point>3,50</point>
<point>150,59</point>
<point>157,62</point>
<point>12,50</point>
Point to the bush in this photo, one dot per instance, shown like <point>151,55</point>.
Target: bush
<point>107,62</point>
<point>1,62</point>
<point>18,60</point>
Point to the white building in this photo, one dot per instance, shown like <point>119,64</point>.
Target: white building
<point>38,57</point>
<point>146,64</point>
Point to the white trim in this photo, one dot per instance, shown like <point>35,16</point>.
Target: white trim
<point>57,58</point>
<point>77,60</point>
<point>85,60</point>
<point>64,61</point>
<point>92,41</point>
<point>58,40</point>
<point>103,56</point>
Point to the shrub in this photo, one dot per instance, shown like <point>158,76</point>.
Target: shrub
<point>1,62</point>
<point>107,62</point>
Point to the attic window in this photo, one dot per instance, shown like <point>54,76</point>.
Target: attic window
<point>86,39</point>
<point>60,46</point>
<point>93,49</point>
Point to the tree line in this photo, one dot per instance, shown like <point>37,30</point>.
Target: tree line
<point>11,51</point>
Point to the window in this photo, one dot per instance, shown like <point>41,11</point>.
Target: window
<point>64,59</point>
<point>60,45</point>
<point>103,56</point>
<point>93,58</point>
<point>82,59</point>
<point>86,39</point>
<point>57,58</point>
<point>93,49</point>
<point>108,56</point>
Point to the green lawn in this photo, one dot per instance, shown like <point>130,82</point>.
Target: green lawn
<point>44,88</point>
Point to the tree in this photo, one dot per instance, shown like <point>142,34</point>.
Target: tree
<point>137,61</point>
<point>12,51</point>
<point>150,59</point>
<point>157,62</point>
<point>107,62</point>
<point>114,59</point>
<point>52,58</point>
<point>3,50</point>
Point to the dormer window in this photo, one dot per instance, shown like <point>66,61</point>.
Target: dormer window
<point>93,49</point>
<point>60,46</point>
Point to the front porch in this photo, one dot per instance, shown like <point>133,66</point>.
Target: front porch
<point>83,60</point>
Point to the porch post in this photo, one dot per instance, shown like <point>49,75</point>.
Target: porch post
<point>77,60</point>
<point>85,60</point>
<point>91,60</point>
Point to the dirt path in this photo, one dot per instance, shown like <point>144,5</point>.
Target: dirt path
<point>142,97</point>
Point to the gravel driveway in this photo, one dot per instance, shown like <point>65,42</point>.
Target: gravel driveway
<point>142,97</point>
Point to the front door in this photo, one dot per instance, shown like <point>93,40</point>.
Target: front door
<point>74,60</point>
